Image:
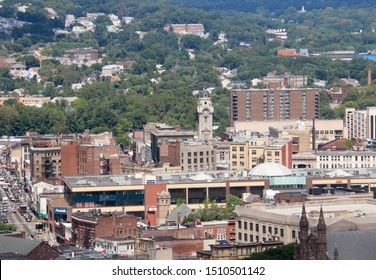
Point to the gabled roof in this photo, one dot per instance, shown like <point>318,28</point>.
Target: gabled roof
<point>337,144</point>
<point>183,209</point>
<point>17,245</point>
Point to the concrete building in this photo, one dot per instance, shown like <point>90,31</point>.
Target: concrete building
<point>137,193</point>
<point>299,131</point>
<point>82,54</point>
<point>183,29</point>
<point>189,155</point>
<point>263,222</point>
<point>124,247</point>
<point>360,124</point>
<point>45,159</point>
<point>274,104</point>
<point>249,153</point>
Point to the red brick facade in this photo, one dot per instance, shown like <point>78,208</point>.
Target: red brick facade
<point>88,226</point>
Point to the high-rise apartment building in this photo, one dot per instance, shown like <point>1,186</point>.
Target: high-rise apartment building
<point>360,124</point>
<point>274,104</point>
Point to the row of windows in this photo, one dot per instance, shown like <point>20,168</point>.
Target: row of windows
<point>189,161</point>
<point>265,230</point>
<point>255,238</point>
<point>195,154</point>
<point>235,149</point>
<point>347,158</point>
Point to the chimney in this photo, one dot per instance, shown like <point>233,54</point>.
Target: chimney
<point>179,218</point>
<point>369,76</point>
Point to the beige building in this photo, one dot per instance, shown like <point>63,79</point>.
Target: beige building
<point>263,222</point>
<point>197,156</point>
<point>360,124</point>
<point>45,162</point>
<point>325,130</point>
<point>249,153</point>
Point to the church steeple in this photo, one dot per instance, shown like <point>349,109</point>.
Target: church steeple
<point>321,226</point>
<point>303,219</point>
<point>321,237</point>
<point>303,235</point>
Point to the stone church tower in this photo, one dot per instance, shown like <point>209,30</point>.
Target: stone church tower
<point>163,207</point>
<point>312,246</point>
<point>205,112</point>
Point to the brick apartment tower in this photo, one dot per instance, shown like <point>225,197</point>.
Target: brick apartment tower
<point>274,104</point>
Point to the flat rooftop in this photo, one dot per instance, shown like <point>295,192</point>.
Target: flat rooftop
<point>368,209</point>
<point>204,176</point>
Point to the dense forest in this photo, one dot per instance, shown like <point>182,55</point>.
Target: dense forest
<point>252,6</point>
<point>144,94</point>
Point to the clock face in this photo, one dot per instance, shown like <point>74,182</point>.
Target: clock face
<point>206,112</point>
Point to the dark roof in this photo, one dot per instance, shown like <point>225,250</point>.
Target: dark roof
<point>17,245</point>
<point>353,245</point>
<point>12,256</point>
<point>184,211</point>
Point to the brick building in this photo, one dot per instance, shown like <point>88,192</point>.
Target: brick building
<point>274,104</point>
<point>90,155</point>
<point>87,226</point>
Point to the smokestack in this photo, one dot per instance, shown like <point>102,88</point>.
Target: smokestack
<point>369,76</point>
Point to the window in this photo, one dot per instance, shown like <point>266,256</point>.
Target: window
<point>239,235</point>
<point>245,237</point>
<point>245,225</point>
<point>276,154</point>
<point>233,149</point>
<point>239,224</point>
<point>293,234</point>
<point>253,152</point>
<point>257,227</point>
<point>264,229</point>
<point>241,149</point>
<point>282,233</point>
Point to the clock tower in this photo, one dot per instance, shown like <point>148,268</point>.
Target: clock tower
<point>205,112</point>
